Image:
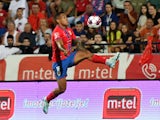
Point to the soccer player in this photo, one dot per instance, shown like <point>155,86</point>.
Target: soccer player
<point>64,56</point>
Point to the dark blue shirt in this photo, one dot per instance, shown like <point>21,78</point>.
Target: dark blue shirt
<point>107,19</point>
<point>78,33</point>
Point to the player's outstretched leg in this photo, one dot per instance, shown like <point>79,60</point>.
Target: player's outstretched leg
<point>61,89</point>
<point>85,54</point>
<point>45,105</point>
<point>112,61</point>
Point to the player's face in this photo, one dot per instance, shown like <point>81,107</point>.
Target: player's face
<point>63,20</point>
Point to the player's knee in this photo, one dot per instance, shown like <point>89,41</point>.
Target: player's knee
<point>88,53</point>
<point>62,90</point>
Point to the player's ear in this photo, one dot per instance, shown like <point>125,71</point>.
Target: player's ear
<point>57,17</point>
<point>57,21</point>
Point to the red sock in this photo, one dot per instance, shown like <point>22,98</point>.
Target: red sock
<point>50,97</point>
<point>98,59</point>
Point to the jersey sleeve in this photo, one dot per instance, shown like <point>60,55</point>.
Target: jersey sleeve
<point>56,36</point>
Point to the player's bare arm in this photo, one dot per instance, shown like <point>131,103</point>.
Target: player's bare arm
<point>61,47</point>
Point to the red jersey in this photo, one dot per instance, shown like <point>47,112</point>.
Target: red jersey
<point>35,19</point>
<point>42,5</point>
<point>81,5</point>
<point>66,35</point>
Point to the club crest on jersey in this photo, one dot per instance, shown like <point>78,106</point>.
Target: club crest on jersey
<point>56,35</point>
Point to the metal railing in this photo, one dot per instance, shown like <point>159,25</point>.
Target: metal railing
<point>156,48</point>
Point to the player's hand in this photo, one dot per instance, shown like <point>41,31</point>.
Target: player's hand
<point>65,52</point>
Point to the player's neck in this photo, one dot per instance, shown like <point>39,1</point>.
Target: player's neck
<point>62,26</point>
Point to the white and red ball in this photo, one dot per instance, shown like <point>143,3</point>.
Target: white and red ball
<point>94,21</point>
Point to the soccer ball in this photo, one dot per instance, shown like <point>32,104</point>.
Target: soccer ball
<point>94,21</point>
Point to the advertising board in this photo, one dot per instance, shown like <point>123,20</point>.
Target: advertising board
<point>83,100</point>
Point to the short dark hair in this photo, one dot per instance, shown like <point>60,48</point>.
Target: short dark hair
<point>20,8</point>
<point>10,36</point>
<point>109,3</point>
<point>78,22</point>
<point>58,15</point>
<point>47,33</point>
<point>154,6</point>
<point>127,1</point>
